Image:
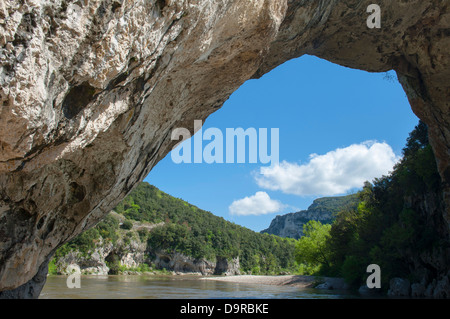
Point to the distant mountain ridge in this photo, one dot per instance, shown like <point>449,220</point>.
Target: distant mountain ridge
<point>322,209</point>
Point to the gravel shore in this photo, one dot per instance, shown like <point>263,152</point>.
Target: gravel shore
<point>328,283</point>
<point>300,281</point>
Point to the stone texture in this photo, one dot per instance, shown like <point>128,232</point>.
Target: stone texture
<point>399,287</point>
<point>333,284</point>
<point>86,264</point>
<point>91,90</point>
<point>180,263</point>
<point>367,292</point>
<point>130,251</point>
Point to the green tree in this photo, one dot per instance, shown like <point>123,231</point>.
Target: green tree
<point>390,226</point>
<point>312,247</point>
<point>127,224</point>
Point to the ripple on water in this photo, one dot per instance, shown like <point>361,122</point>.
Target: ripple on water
<point>174,287</point>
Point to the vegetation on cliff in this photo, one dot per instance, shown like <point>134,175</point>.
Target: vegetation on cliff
<point>171,225</point>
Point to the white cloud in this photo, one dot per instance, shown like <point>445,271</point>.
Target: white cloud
<point>334,173</point>
<point>258,204</point>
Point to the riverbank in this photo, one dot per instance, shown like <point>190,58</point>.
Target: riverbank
<point>286,280</point>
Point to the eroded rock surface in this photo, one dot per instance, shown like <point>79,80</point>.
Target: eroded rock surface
<point>180,263</point>
<point>91,91</point>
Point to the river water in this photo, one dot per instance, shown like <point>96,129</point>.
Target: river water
<point>174,287</point>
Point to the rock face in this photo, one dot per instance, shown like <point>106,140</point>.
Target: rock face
<point>91,91</point>
<point>290,225</point>
<point>399,287</point>
<point>180,263</point>
<point>93,264</point>
<point>128,251</point>
<point>322,209</point>
<point>132,254</point>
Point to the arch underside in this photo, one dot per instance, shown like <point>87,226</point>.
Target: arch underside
<point>88,105</point>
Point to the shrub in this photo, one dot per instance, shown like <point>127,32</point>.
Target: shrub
<point>127,225</point>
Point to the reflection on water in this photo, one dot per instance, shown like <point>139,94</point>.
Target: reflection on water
<point>172,287</point>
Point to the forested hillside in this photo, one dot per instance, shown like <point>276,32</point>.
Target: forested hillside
<point>200,234</point>
<point>170,225</point>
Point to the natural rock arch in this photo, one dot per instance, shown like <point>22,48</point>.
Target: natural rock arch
<point>91,91</point>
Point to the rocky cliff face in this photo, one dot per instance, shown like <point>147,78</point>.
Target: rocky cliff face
<point>180,263</point>
<point>93,263</point>
<point>91,90</point>
<point>96,262</point>
<point>291,225</point>
<point>322,209</point>
<point>130,253</point>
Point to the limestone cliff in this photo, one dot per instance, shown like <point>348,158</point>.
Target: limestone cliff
<point>131,254</point>
<point>180,263</point>
<point>91,90</point>
<point>322,209</point>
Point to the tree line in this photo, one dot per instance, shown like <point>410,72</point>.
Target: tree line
<point>394,225</point>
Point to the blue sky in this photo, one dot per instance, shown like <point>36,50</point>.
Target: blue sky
<point>354,121</point>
